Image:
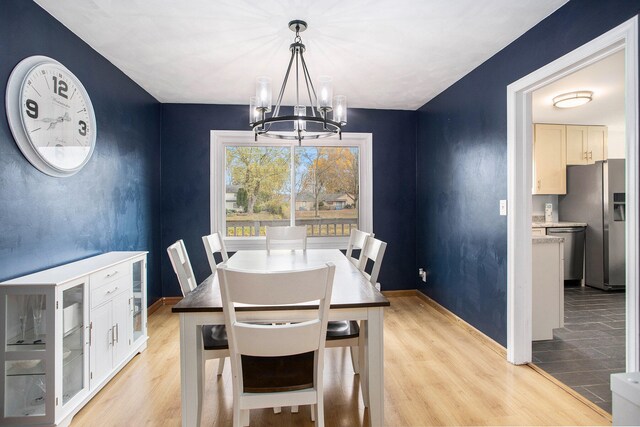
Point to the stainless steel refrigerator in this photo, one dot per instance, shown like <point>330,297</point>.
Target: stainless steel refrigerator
<point>596,196</point>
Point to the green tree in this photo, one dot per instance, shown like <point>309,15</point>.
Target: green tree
<point>258,170</point>
<point>242,199</point>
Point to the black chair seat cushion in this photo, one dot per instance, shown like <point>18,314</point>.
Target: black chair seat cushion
<point>342,329</point>
<point>214,337</point>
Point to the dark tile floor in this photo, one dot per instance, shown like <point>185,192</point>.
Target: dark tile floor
<point>590,347</point>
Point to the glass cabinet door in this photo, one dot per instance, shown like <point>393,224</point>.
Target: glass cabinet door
<point>73,341</point>
<point>137,304</point>
<point>25,379</point>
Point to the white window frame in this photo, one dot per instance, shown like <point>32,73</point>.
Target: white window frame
<point>220,140</point>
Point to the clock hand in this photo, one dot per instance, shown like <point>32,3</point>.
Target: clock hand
<point>54,122</point>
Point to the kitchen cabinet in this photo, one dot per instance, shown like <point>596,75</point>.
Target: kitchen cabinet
<point>586,144</point>
<point>547,287</point>
<point>549,159</point>
<point>68,330</point>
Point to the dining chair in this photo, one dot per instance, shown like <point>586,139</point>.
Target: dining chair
<point>286,237</point>
<point>278,364</point>
<point>213,243</point>
<point>214,337</point>
<point>346,333</point>
<point>373,251</point>
<point>357,240</point>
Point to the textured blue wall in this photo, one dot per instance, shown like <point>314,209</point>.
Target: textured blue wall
<point>185,183</point>
<point>113,203</point>
<point>462,165</point>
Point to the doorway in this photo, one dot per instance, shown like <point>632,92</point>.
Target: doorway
<point>519,128</point>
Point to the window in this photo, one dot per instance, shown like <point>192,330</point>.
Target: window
<point>324,185</point>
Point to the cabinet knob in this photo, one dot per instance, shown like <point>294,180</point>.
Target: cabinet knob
<point>539,183</point>
<point>590,155</point>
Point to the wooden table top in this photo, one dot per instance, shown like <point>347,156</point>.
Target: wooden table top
<point>350,288</point>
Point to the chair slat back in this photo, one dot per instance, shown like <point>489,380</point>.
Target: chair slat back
<point>286,237</point>
<point>271,288</point>
<point>373,250</point>
<point>182,267</point>
<point>213,243</point>
<point>357,240</point>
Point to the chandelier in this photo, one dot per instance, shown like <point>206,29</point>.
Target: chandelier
<point>309,118</point>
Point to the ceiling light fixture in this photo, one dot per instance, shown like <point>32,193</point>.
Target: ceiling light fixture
<point>572,99</point>
<point>314,125</point>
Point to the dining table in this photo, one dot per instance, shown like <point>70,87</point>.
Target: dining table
<point>353,298</point>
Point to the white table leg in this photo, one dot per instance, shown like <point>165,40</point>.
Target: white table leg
<point>190,374</point>
<point>362,362</point>
<point>375,365</point>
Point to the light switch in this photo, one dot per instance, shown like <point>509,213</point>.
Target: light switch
<point>503,207</point>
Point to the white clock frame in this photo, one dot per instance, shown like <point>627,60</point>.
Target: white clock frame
<point>13,103</point>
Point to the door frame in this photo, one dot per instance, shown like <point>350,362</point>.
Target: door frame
<point>520,156</point>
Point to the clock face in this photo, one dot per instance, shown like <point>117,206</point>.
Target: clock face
<point>56,130</point>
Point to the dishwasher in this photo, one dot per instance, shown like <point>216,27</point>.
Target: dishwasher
<point>573,250</point>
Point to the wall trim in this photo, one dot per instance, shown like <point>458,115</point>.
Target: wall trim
<point>477,334</point>
<point>519,159</point>
<point>161,302</point>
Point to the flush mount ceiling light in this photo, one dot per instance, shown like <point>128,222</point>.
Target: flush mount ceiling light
<point>572,99</point>
<point>298,125</point>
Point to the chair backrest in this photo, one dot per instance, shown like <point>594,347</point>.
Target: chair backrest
<point>213,243</point>
<point>374,251</point>
<point>357,240</point>
<point>182,267</point>
<point>281,339</point>
<point>287,237</point>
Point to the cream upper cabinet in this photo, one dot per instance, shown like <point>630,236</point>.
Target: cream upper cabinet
<point>586,144</point>
<point>549,159</point>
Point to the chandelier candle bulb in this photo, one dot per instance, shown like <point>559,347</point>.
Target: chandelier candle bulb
<point>254,111</point>
<point>300,111</point>
<point>340,109</point>
<point>326,93</point>
<point>263,93</point>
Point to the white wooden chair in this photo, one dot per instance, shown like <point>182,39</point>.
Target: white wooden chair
<point>346,333</point>
<point>373,250</point>
<point>357,240</point>
<point>214,337</point>
<point>260,379</point>
<point>213,243</point>
<point>287,237</point>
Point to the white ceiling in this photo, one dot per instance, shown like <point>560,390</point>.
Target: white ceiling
<point>391,54</point>
<point>605,79</point>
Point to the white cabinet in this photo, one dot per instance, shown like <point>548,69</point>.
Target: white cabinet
<point>549,159</point>
<point>547,287</point>
<point>586,144</point>
<point>66,332</point>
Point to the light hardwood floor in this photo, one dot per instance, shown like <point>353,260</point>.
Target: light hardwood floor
<point>436,373</point>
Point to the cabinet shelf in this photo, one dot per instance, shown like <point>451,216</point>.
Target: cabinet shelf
<point>34,369</point>
<point>30,339</point>
<point>72,331</point>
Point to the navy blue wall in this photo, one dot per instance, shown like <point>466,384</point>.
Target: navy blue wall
<point>462,165</point>
<point>185,183</point>
<point>113,203</point>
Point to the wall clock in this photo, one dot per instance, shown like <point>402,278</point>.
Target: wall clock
<point>50,115</point>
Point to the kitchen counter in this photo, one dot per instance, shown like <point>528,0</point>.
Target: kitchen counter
<point>546,239</point>
<point>558,224</point>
